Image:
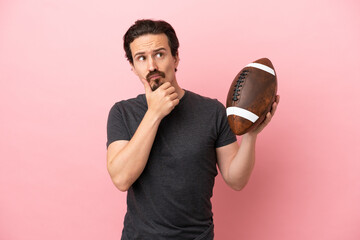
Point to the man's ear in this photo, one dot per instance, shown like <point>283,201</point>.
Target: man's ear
<point>177,59</point>
<point>133,69</point>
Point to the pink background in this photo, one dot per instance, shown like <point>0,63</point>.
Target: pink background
<point>62,67</point>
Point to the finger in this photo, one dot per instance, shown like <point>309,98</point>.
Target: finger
<point>273,108</point>
<point>173,96</point>
<point>165,85</point>
<point>170,90</point>
<point>268,117</point>
<point>264,123</point>
<point>274,105</point>
<point>176,102</point>
<point>146,86</point>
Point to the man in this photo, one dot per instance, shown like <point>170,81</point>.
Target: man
<point>163,146</point>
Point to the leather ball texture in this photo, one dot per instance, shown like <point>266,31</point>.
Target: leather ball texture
<point>251,96</point>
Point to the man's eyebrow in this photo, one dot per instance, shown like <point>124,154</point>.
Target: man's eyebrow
<point>139,53</point>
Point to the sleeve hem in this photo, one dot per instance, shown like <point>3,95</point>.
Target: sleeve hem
<point>226,142</point>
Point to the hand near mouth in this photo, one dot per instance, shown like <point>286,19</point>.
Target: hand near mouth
<point>162,100</point>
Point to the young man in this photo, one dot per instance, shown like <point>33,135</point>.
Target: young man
<point>163,146</point>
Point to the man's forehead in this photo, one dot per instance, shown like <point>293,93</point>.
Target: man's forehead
<point>149,42</point>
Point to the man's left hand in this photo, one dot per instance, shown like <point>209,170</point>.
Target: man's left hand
<point>268,117</point>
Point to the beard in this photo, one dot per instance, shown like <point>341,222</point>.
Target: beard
<point>156,82</point>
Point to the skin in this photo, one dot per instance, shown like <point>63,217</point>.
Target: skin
<point>127,159</point>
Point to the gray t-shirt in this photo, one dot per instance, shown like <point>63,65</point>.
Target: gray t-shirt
<point>171,198</point>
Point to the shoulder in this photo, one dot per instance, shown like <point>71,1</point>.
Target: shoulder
<point>130,104</point>
<point>202,99</point>
<point>140,100</point>
<point>204,102</point>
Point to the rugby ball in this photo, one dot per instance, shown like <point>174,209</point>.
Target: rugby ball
<point>251,96</point>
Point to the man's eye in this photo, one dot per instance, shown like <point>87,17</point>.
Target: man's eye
<point>159,55</point>
<point>141,58</point>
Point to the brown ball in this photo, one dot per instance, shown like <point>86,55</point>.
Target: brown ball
<point>251,96</point>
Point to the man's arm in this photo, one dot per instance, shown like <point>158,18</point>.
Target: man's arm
<point>236,163</point>
<point>126,160</point>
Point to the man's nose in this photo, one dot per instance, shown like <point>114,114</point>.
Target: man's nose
<point>151,64</point>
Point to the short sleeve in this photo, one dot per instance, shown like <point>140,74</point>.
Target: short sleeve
<point>225,135</point>
<point>116,127</point>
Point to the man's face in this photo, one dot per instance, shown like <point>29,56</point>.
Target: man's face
<point>152,59</point>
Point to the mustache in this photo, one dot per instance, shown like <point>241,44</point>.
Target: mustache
<point>155,72</point>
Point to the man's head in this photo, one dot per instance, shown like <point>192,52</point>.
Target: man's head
<point>152,50</point>
<point>147,26</point>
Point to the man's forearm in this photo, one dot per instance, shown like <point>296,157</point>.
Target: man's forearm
<point>127,164</point>
<point>243,163</point>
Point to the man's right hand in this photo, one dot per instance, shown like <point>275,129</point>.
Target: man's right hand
<point>161,101</point>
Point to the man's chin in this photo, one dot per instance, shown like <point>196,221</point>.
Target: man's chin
<point>156,85</point>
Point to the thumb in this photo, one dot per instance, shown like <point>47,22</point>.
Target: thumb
<point>146,85</point>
